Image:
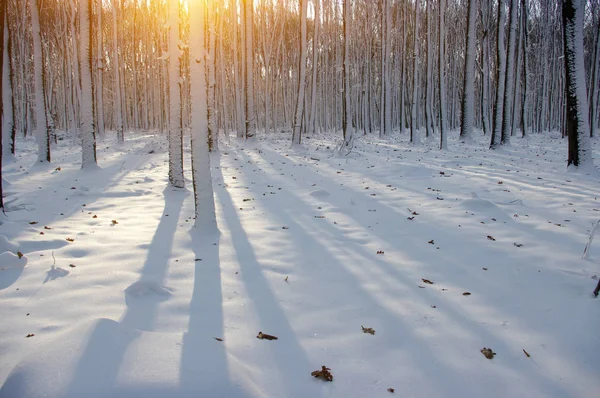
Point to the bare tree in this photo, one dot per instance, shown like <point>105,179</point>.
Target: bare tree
<point>175,129</point>
<point>88,132</point>
<point>501,76</point>
<point>468,101</point>
<point>298,115</point>
<point>249,23</point>
<point>203,193</point>
<point>580,149</point>
<point>42,130</point>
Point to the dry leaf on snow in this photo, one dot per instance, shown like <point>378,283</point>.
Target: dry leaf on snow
<point>323,374</point>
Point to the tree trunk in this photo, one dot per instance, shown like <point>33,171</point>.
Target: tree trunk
<point>118,102</point>
<point>501,76</point>
<point>468,100</point>
<point>441,77</point>
<point>213,130</point>
<point>175,131</point>
<point>8,124</point>
<point>347,106</point>
<point>250,117</point>
<point>510,74</point>
<point>42,131</point>
<point>297,134</point>
<point>86,124</point>
<point>204,204</point>
<point>580,149</point>
<point>414,134</point>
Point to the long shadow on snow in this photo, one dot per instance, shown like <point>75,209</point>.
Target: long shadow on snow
<point>204,366</point>
<point>271,316</point>
<point>420,353</point>
<point>143,297</point>
<point>100,362</point>
<point>300,207</point>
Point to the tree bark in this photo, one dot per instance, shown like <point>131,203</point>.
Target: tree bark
<point>577,123</point>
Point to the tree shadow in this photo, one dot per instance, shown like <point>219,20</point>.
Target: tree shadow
<point>204,369</point>
<point>271,316</point>
<point>100,361</point>
<point>423,355</point>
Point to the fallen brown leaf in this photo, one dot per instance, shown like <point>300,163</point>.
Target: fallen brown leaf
<point>218,339</point>
<point>466,294</point>
<point>29,335</point>
<point>371,331</point>
<point>526,353</point>
<point>70,240</point>
<point>427,281</point>
<point>323,374</point>
<point>490,237</point>
<point>20,255</point>
<point>33,222</point>
<point>380,252</point>
<point>488,353</point>
<point>391,390</point>
<point>264,336</point>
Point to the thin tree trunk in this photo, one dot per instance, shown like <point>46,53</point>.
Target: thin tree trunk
<point>42,133</point>
<point>88,132</point>
<point>297,134</point>
<point>414,134</point>
<point>250,117</point>
<point>117,107</point>
<point>501,76</point>
<point>442,77</point>
<point>175,129</point>
<point>468,100</point>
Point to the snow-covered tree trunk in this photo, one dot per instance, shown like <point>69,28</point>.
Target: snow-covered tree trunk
<point>86,124</point>
<point>225,113</point>
<point>429,123</point>
<point>213,130</point>
<point>315,54</point>
<point>240,125</point>
<point>8,124</point>
<point>517,79</point>
<point>580,149</point>
<point>2,60</point>
<point>510,74</point>
<point>118,102</point>
<point>99,68</point>
<point>297,133</point>
<point>468,100</point>
<point>594,84</point>
<point>347,105</point>
<point>414,133</point>
<point>501,76</point>
<point>249,24</point>
<point>524,101</point>
<point>42,131</point>
<point>441,76</point>
<point>175,129</point>
<point>202,181</point>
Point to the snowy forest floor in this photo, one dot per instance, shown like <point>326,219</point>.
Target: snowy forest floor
<point>312,246</point>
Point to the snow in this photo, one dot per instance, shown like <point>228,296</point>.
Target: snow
<point>134,308</point>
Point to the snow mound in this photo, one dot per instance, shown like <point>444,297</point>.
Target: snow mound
<point>103,358</point>
<point>147,288</point>
<point>483,207</point>
<point>6,245</point>
<point>11,260</point>
<point>320,193</point>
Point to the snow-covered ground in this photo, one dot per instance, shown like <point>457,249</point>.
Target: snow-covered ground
<point>312,246</point>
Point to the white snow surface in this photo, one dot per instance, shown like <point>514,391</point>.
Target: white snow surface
<point>133,308</point>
